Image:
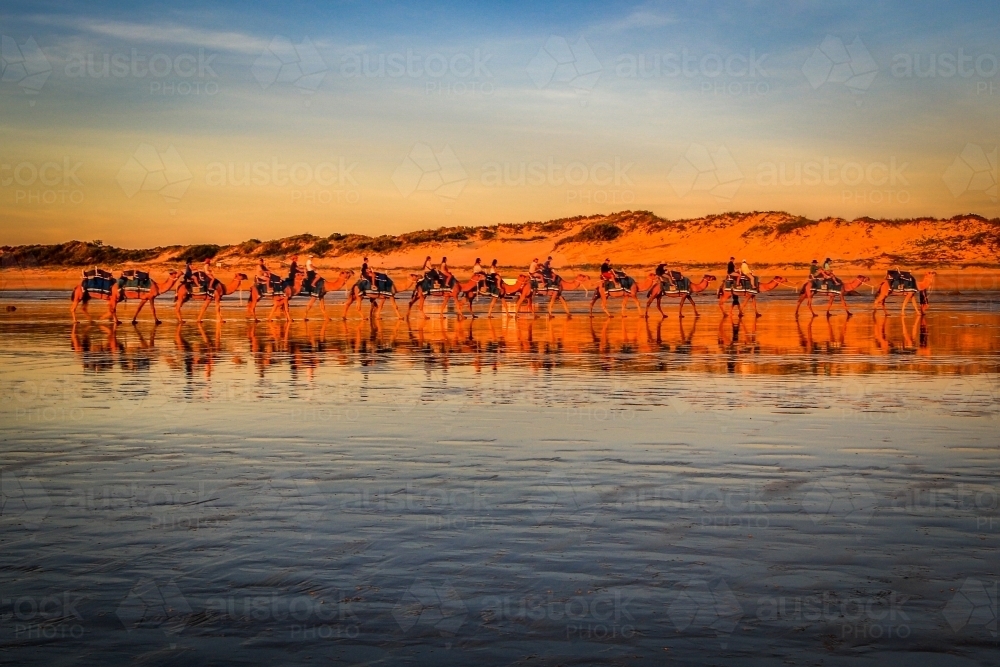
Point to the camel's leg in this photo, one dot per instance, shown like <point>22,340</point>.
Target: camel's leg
<point>309,305</point>
<point>177,310</point>
<point>201,312</point>
<point>649,301</point>
<point>489,311</point>
<point>565,306</point>
<point>843,302</point>
<point>152,307</point>
<point>138,309</point>
<point>829,305</point>
<point>722,300</point>
<point>395,307</point>
<point>753,300</point>
<point>218,308</point>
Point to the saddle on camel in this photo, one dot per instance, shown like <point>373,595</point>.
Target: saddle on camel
<point>673,284</point>
<point>205,288</point>
<point>378,292</point>
<point>97,284</point>
<point>905,283</point>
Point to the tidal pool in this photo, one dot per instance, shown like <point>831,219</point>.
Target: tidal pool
<point>544,491</point>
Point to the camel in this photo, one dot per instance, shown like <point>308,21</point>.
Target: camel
<point>97,284</point>
<point>320,288</point>
<point>735,289</point>
<point>520,289</point>
<point>283,291</point>
<point>424,287</point>
<point>149,295</point>
<point>807,291</point>
<point>684,289</point>
<point>558,285</point>
<point>915,291</point>
<point>216,290</point>
<point>626,287</point>
<point>358,293</point>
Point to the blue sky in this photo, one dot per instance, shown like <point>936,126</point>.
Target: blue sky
<point>551,89</point>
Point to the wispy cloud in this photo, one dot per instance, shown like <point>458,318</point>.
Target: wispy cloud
<point>638,19</point>
<point>168,34</point>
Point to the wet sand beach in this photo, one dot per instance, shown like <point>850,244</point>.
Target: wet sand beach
<point>505,491</point>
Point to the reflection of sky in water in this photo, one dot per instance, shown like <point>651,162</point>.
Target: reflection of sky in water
<point>460,477</point>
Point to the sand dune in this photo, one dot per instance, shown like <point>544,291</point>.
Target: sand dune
<point>629,238</point>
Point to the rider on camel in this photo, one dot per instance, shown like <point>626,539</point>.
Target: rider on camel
<point>444,272</point>
<point>608,272</point>
<point>310,274</point>
<point>534,270</point>
<point>209,276</point>
<point>293,270</point>
<point>826,273</point>
<point>746,272</point>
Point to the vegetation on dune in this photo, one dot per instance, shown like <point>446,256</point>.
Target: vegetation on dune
<point>959,234</point>
<point>198,253</point>
<point>74,253</point>
<point>597,232</point>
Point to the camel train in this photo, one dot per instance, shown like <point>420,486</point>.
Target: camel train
<point>510,293</point>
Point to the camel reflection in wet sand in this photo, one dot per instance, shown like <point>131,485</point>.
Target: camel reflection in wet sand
<point>585,344</point>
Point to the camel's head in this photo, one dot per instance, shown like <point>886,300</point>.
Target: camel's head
<point>709,277</point>
<point>348,273</point>
<point>864,280</point>
<point>780,280</point>
<point>241,276</point>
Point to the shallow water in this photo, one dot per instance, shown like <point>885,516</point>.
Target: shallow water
<point>554,491</point>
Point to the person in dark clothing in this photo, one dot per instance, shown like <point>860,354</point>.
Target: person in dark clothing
<point>731,267</point>
<point>293,270</point>
<point>661,270</point>
<point>188,273</point>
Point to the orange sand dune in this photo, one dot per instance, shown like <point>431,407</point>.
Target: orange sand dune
<point>639,239</point>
